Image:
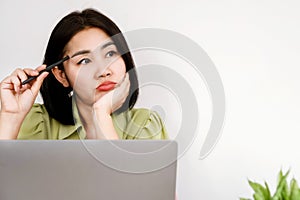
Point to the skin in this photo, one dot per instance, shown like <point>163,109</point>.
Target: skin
<point>84,73</point>
<point>17,99</point>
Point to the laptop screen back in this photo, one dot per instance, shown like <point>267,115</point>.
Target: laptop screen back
<point>88,169</point>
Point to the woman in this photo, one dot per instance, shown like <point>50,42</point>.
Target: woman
<point>104,92</point>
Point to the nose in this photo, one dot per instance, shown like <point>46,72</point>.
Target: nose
<point>106,73</point>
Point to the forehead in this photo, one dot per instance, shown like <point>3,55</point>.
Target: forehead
<point>87,39</point>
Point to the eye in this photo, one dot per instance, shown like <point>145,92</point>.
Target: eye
<point>111,54</point>
<point>84,61</point>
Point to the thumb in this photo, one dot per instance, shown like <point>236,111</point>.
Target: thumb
<point>38,82</point>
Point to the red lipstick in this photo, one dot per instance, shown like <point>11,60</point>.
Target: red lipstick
<point>106,86</point>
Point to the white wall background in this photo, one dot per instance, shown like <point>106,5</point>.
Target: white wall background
<point>255,46</point>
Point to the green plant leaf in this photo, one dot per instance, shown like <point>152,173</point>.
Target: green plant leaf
<point>295,191</point>
<point>258,196</point>
<point>282,184</point>
<point>268,193</point>
<point>260,191</point>
<point>284,191</point>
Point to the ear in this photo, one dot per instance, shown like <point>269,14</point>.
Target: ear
<point>60,76</point>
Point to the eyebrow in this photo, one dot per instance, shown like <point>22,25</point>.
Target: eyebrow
<point>107,44</point>
<point>88,51</point>
<point>80,53</point>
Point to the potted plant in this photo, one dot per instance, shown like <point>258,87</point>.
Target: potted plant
<point>284,191</point>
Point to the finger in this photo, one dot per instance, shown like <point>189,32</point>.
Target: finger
<point>38,82</point>
<point>31,72</point>
<point>15,82</point>
<point>16,71</point>
<point>23,74</point>
<point>19,73</point>
<point>7,84</point>
<point>40,68</point>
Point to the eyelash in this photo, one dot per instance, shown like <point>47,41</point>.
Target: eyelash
<point>113,52</point>
<point>106,55</point>
<point>84,59</point>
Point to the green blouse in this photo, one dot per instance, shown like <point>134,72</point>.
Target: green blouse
<point>131,124</point>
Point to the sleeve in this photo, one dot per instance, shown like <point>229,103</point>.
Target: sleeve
<point>34,124</point>
<point>146,124</point>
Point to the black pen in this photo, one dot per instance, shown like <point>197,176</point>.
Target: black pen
<point>46,70</point>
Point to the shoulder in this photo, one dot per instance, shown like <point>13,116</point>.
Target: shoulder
<point>38,113</point>
<point>141,123</point>
<point>34,123</point>
<point>141,113</point>
<point>38,109</point>
<point>39,125</point>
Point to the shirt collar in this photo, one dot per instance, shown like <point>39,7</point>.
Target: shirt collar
<point>77,129</point>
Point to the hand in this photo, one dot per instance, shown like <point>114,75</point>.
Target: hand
<point>17,98</point>
<point>106,105</point>
<point>114,99</point>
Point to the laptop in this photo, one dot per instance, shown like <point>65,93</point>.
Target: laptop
<point>88,169</point>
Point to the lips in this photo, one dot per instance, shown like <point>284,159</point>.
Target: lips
<point>106,86</point>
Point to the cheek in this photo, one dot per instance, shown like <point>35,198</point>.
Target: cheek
<point>71,75</point>
<point>120,67</point>
<point>83,80</point>
<point>76,76</point>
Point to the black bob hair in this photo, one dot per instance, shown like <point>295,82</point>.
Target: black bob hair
<point>55,95</point>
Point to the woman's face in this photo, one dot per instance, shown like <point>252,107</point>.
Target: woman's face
<point>95,67</point>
